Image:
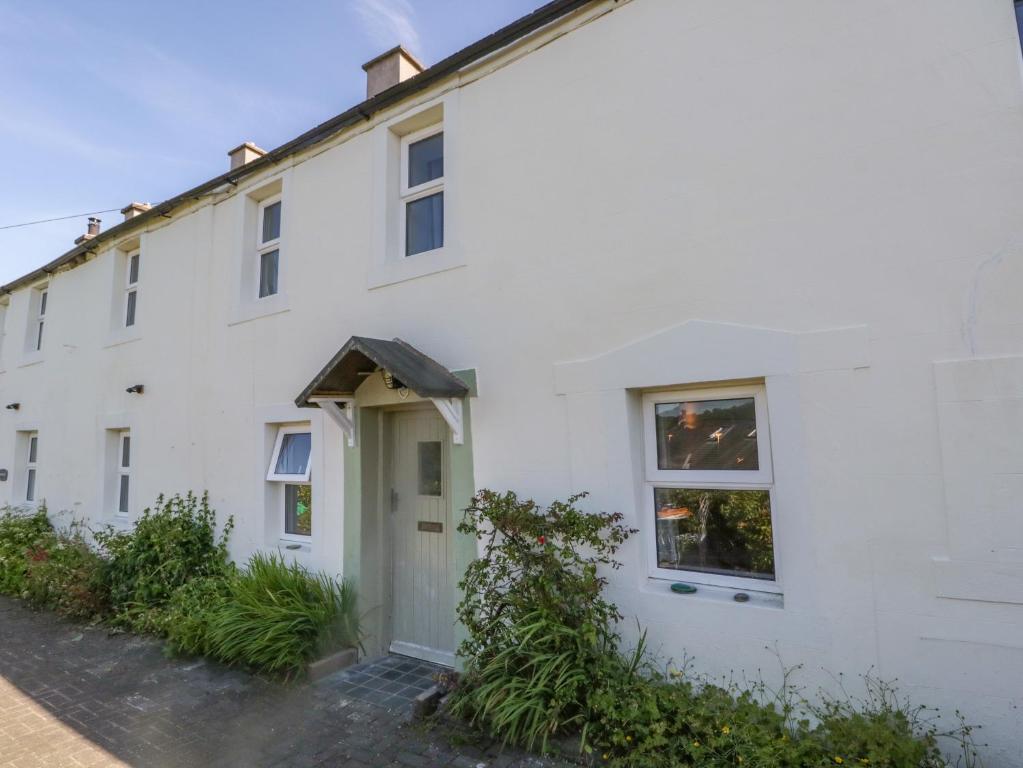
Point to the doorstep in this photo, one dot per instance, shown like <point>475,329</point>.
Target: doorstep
<point>392,682</point>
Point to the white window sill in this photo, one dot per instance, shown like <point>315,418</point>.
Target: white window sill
<point>123,336</point>
<point>411,267</point>
<point>295,546</point>
<point>715,593</point>
<point>119,522</point>
<point>257,308</point>
<point>31,358</point>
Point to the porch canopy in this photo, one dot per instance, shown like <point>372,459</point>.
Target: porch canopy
<point>333,388</point>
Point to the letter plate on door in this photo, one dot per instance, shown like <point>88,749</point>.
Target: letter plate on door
<point>429,527</point>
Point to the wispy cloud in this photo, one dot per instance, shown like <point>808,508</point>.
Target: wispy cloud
<point>389,22</point>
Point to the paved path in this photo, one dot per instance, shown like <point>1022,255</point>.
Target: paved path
<point>78,696</point>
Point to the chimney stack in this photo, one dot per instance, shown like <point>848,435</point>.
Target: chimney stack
<point>131,210</point>
<point>244,153</point>
<point>90,232</point>
<point>388,69</point>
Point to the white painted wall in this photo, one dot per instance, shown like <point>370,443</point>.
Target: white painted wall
<point>844,177</point>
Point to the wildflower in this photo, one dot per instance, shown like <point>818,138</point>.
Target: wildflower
<point>726,730</point>
<point>541,539</point>
<point>696,744</point>
<point>839,760</point>
<point>628,738</point>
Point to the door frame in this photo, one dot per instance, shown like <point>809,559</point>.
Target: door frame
<point>366,541</point>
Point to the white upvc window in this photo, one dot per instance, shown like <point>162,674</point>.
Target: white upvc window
<point>123,473</point>
<point>422,191</point>
<point>290,467</point>
<point>268,246</point>
<point>708,487</point>
<point>31,465</point>
<point>40,320</point>
<point>131,290</point>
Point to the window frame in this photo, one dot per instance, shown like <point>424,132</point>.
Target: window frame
<point>123,470</point>
<point>267,246</point>
<point>131,288</point>
<point>31,467</point>
<point>271,474</point>
<point>408,195</point>
<point>284,480</point>
<point>40,319</point>
<point>761,479</point>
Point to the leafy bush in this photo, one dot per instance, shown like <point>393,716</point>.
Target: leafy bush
<point>66,575</point>
<point>186,620</point>
<point>20,533</point>
<point>538,625</point>
<point>541,658</point>
<point>276,616</point>
<point>169,546</point>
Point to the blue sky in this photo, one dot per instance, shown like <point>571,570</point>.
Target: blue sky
<point>105,103</point>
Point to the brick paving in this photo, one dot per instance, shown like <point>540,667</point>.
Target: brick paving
<point>78,696</point>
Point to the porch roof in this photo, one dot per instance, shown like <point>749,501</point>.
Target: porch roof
<point>361,356</point>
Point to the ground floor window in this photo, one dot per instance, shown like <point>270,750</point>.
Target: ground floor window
<point>290,470</point>
<point>31,465</point>
<point>709,483</point>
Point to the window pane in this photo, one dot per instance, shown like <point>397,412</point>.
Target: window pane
<point>294,456</point>
<point>39,337</point>
<point>133,269</point>
<point>122,498</point>
<point>424,224</point>
<point>33,449</point>
<point>715,531</point>
<point>42,303</point>
<point>30,491</point>
<point>707,434</point>
<point>298,510</point>
<point>271,222</point>
<point>126,451</point>
<point>129,315</point>
<point>426,160</point>
<point>430,472</point>
<point>268,273</point>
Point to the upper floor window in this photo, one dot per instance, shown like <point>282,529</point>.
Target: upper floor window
<point>3,327</point>
<point>40,319</point>
<point>709,482</point>
<point>290,466</point>
<point>31,465</point>
<point>268,240</point>
<point>131,291</point>
<point>422,190</point>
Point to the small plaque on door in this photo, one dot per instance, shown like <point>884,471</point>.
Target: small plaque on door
<point>430,527</point>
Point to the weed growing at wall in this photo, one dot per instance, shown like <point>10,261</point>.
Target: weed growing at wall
<point>66,575</point>
<point>20,532</point>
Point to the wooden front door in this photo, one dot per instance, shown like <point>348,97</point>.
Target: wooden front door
<point>423,588</point>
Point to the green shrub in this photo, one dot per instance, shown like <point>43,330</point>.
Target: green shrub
<point>65,574</point>
<point>538,625</point>
<point>186,620</point>
<point>20,533</point>
<point>168,546</point>
<point>277,617</point>
<point>541,658</point>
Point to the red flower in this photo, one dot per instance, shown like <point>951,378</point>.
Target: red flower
<point>541,539</point>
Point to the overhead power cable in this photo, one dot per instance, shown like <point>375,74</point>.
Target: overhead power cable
<point>58,218</point>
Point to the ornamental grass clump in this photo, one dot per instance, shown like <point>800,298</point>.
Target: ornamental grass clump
<point>276,617</point>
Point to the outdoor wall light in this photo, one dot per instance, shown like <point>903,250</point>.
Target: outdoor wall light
<point>13,406</point>
<point>389,381</point>
<point>135,389</point>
